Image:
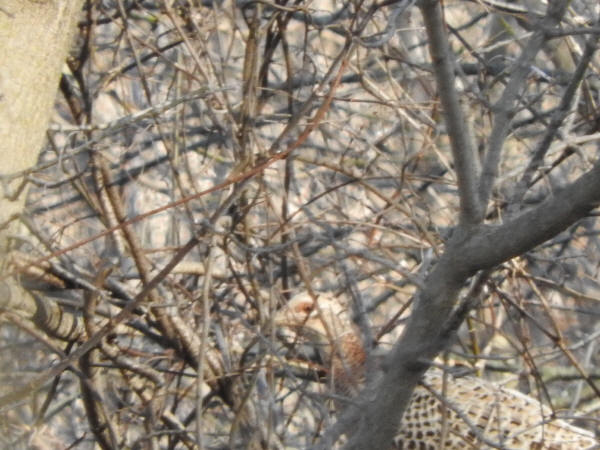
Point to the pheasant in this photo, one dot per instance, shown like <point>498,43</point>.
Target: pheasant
<point>464,412</point>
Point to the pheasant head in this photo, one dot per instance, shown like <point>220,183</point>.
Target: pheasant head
<point>444,412</point>
<point>322,323</point>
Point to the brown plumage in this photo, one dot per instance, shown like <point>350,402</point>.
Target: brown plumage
<point>469,413</point>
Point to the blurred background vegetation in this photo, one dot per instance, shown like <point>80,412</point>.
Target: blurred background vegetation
<point>208,160</point>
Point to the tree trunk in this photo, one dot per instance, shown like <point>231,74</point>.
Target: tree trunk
<point>35,37</point>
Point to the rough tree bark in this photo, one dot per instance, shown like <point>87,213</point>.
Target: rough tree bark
<point>35,37</point>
